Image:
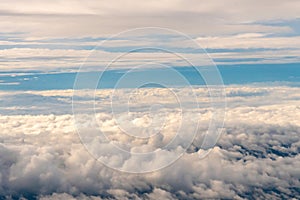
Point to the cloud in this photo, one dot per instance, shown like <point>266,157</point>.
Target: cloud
<point>257,155</point>
<point>252,26</point>
<point>249,41</point>
<point>64,55</point>
<point>85,18</point>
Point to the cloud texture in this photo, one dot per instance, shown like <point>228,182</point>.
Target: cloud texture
<point>257,155</point>
<point>59,35</point>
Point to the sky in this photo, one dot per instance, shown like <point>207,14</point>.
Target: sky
<point>58,35</point>
<point>169,99</point>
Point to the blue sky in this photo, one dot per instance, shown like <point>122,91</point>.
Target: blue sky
<point>50,146</point>
<point>52,62</point>
<point>264,74</point>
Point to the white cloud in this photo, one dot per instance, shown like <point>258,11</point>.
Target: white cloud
<point>249,41</point>
<point>98,18</point>
<point>258,153</point>
<point>237,25</point>
<point>65,56</point>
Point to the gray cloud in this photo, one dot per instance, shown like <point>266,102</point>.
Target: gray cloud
<point>193,17</point>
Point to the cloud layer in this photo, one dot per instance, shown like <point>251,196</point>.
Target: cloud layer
<point>100,18</point>
<point>257,155</point>
<point>60,37</point>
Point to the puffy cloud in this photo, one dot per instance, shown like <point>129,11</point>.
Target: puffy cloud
<point>257,155</point>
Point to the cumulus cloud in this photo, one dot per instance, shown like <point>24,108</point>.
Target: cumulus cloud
<point>257,155</point>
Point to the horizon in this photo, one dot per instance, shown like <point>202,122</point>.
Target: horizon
<point>129,99</point>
